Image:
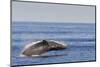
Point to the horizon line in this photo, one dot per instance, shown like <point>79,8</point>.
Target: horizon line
<point>49,22</point>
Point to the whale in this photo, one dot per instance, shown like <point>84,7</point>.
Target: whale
<point>40,47</point>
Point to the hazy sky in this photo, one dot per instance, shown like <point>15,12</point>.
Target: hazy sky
<point>28,12</point>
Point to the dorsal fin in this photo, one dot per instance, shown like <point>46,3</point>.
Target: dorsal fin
<point>45,42</point>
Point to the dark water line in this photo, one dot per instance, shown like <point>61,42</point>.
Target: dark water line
<point>69,39</point>
<point>51,32</point>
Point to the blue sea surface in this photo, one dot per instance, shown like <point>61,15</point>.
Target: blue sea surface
<point>80,38</point>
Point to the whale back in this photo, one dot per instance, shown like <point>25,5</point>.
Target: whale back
<point>37,49</point>
<point>56,45</point>
<point>41,47</point>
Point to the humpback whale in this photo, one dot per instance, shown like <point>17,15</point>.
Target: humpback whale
<point>40,47</point>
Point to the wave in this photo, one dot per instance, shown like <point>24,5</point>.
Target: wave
<point>63,39</point>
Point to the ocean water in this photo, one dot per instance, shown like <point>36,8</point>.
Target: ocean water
<point>80,38</point>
